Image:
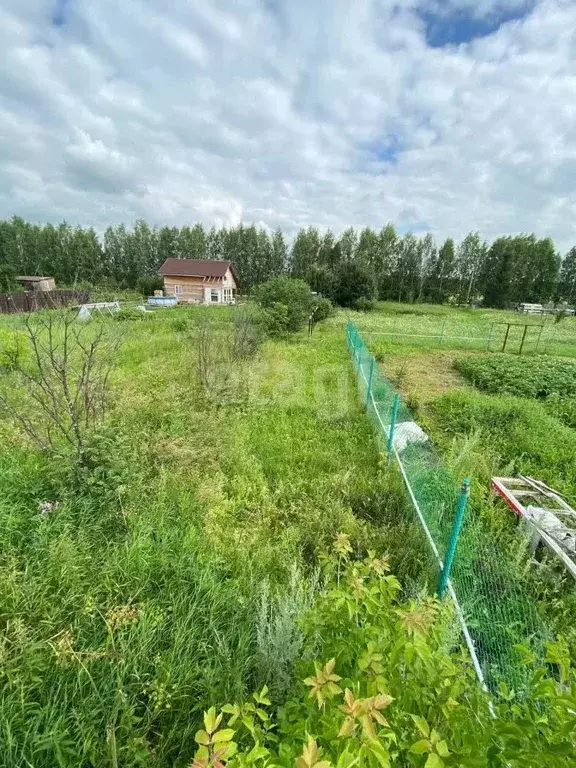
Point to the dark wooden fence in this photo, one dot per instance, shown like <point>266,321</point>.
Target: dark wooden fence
<point>30,301</point>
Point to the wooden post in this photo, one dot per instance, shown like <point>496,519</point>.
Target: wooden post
<point>454,534</point>
<point>523,339</point>
<point>506,337</point>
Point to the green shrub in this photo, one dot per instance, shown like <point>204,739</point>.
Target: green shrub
<point>132,313</point>
<point>13,349</point>
<point>289,300</point>
<point>353,282</point>
<point>147,284</point>
<point>323,308</point>
<point>365,305</point>
<point>538,377</point>
<point>385,691</point>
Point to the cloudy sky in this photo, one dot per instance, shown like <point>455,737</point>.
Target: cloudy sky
<point>438,115</point>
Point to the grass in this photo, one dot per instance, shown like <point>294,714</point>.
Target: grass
<point>509,596</point>
<point>170,582</point>
<point>432,327</point>
<point>174,579</point>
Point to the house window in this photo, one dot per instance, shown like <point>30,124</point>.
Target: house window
<point>214,295</point>
<point>177,289</point>
<point>227,295</point>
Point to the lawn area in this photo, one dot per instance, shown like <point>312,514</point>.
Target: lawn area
<point>172,581</point>
<point>432,326</point>
<point>226,538</point>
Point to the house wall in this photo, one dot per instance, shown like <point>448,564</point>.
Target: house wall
<point>198,290</point>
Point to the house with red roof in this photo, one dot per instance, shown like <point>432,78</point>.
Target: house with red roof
<point>200,281</point>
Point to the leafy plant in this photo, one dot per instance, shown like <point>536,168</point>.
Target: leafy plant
<point>294,298</point>
<point>392,695</point>
<point>538,377</point>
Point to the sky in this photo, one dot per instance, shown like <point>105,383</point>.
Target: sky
<point>438,115</point>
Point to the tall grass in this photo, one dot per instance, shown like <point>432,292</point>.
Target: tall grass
<point>173,579</point>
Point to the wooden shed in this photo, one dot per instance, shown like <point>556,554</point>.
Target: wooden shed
<point>36,283</point>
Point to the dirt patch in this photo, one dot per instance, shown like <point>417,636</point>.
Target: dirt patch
<point>424,375</point>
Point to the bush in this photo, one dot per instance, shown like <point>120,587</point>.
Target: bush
<point>323,308</point>
<point>353,282</point>
<point>365,305</point>
<point>147,284</point>
<point>13,349</point>
<point>275,320</point>
<point>384,690</point>
<point>290,301</point>
<point>131,313</point>
<point>322,280</point>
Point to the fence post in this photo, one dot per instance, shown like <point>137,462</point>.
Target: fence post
<point>454,534</point>
<point>538,340</point>
<point>369,385</point>
<point>393,418</point>
<point>441,339</point>
<point>490,336</point>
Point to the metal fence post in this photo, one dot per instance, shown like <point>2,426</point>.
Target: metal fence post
<point>490,336</point>
<point>393,418</point>
<point>441,338</point>
<point>369,385</point>
<point>454,534</point>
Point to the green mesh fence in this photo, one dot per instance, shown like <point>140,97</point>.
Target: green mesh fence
<point>495,610</point>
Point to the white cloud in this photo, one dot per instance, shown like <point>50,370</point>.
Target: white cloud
<point>287,113</point>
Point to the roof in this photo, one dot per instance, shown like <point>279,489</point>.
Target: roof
<point>32,278</point>
<point>197,268</point>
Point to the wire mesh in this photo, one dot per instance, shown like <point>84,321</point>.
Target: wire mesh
<point>497,610</point>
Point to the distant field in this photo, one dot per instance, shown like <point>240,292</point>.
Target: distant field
<point>422,326</point>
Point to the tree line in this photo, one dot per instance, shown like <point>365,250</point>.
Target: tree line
<point>397,267</point>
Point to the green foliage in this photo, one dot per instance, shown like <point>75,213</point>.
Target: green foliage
<point>365,305</point>
<point>289,301</point>
<point>407,268</point>
<point>174,580</point>
<point>353,282</point>
<point>13,349</point>
<point>323,308</point>
<point>388,692</point>
<point>321,279</point>
<point>528,439</point>
<point>520,268</point>
<point>538,377</point>
<point>126,314</point>
<point>146,285</point>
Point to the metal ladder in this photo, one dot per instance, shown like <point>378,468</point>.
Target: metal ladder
<point>553,519</point>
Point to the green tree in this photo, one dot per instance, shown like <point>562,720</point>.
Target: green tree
<point>289,298</point>
<point>321,279</point>
<point>442,272</point>
<point>498,271</point>
<point>305,251</point>
<point>386,258</point>
<point>353,282</point>
<point>348,244</point>
<point>567,281</point>
<point>470,258</point>
<point>279,255</point>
